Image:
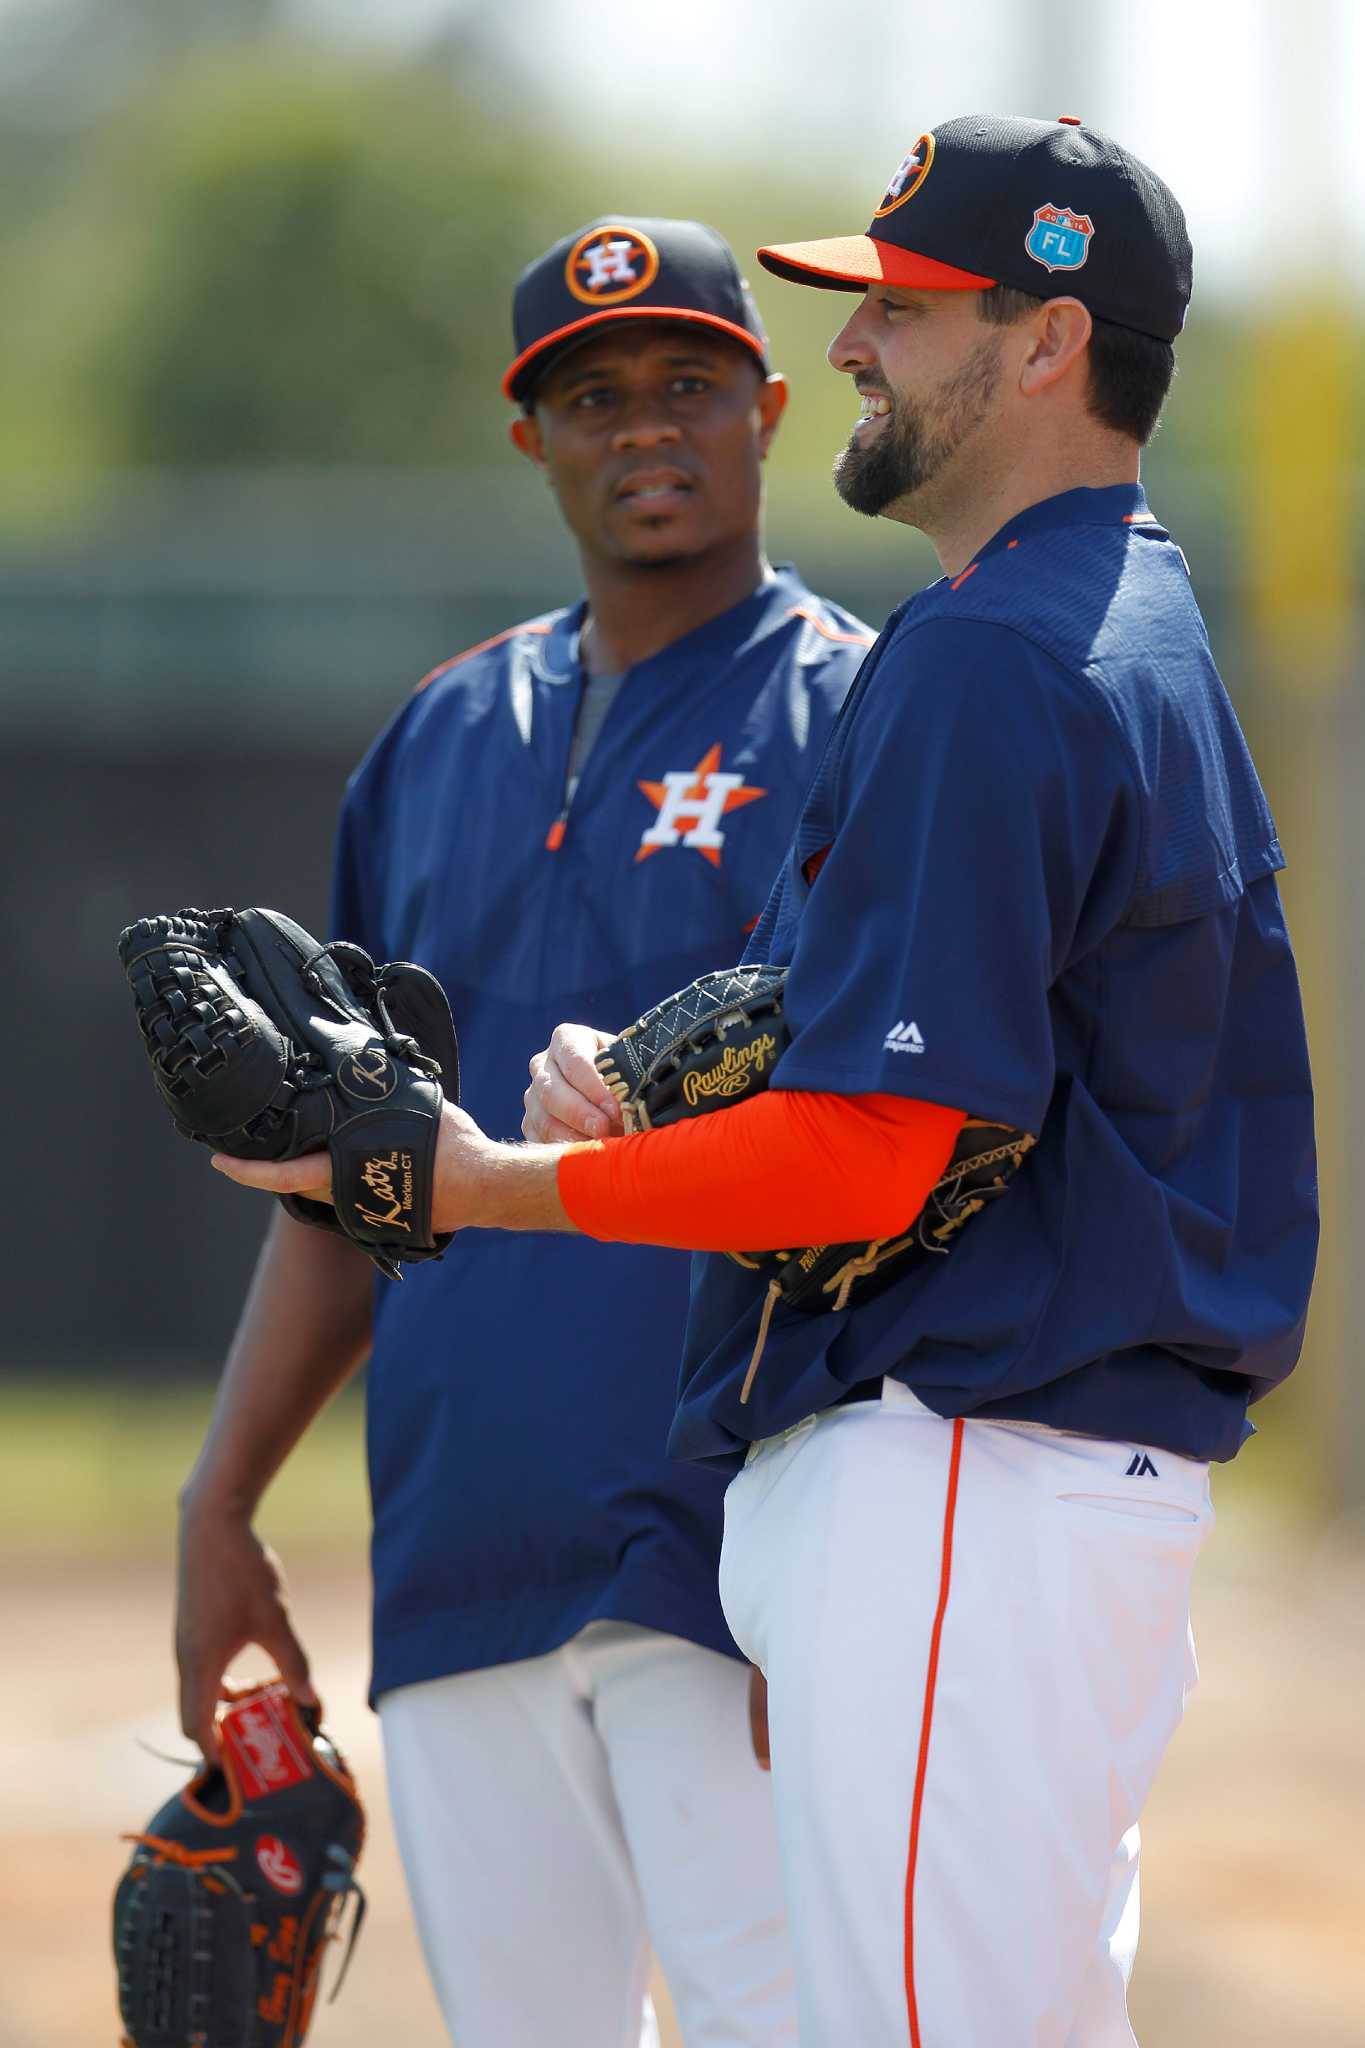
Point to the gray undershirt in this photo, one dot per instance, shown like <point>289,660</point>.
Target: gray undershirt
<point>599,692</point>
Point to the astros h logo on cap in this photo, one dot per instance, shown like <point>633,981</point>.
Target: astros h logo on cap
<point>610,264</point>
<point>910,174</point>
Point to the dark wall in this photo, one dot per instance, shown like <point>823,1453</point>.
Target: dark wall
<point>127,1247</point>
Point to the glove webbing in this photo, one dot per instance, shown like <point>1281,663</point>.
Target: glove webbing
<point>195,1863</point>
<point>178,996</point>
<point>162,1943</point>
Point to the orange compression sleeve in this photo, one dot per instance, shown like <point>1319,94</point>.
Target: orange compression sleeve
<point>786,1168</point>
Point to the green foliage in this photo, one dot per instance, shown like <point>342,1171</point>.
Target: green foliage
<point>320,270</point>
<point>259,252</point>
<point>265,255</point>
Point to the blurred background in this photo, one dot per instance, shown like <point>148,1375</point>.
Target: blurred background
<point>254,482</point>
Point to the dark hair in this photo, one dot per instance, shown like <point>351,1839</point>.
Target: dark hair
<point>1130,373</point>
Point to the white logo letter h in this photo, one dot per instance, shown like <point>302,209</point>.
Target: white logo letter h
<point>678,805</point>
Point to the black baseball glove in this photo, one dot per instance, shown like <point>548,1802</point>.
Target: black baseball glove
<point>716,1043</point>
<point>238,1884</point>
<point>267,1045</point>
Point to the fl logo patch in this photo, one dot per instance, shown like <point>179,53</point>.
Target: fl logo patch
<point>1059,239</point>
<point>611,264</point>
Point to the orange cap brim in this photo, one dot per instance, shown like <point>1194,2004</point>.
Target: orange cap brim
<point>848,263</point>
<point>512,376</point>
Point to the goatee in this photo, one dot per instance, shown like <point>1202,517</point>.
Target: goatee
<point>918,440</point>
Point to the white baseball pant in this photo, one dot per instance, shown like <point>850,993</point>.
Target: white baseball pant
<point>559,1816</point>
<point>977,1644</point>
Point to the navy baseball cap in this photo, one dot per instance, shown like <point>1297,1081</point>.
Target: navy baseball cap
<point>622,269</point>
<point>1048,207</point>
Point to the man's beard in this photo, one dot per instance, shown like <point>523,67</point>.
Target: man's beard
<point>913,447</point>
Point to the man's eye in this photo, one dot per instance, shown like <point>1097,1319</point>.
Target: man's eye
<point>691,386</point>
<point>584,401</point>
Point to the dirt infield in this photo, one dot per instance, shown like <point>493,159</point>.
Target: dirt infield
<point>1254,1891</point>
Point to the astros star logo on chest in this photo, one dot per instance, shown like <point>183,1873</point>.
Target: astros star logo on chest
<point>691,803</point>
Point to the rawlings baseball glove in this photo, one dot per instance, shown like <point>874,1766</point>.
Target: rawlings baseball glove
<point>238,1884</point>
<point>716,1043</point>
<point>266,1045</point>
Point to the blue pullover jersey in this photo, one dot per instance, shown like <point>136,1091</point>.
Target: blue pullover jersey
<point>521,1389</point>
<point>1035,881</point>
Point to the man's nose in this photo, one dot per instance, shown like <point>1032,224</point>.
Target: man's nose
<point>645,422</point>
<point>850,351</point>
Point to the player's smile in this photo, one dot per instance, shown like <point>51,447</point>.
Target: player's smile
<point>876,406</point>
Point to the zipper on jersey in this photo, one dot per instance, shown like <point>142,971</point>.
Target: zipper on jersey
<point>554,838</point>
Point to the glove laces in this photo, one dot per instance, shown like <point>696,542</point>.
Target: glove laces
<point>400,1045</point>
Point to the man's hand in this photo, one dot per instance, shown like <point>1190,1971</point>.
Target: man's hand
<point>568,1100</point>
<point>230,1594</point>
<point>461,1149</point>
<point>478,1183</point>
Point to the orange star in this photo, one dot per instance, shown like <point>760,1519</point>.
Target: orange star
<point>692,804</point>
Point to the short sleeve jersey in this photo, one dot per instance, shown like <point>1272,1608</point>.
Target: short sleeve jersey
<point>1034,881</point>
<point>521,1389</point>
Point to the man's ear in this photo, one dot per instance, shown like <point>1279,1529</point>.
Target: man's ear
<point>772,403</point>
<point>1061,331</point>
<point>524,434</point>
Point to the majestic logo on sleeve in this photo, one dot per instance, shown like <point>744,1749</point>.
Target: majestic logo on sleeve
<point>903,1037</point>
<point>691,803</point>
<point>1059,239</point>
<point>610,264</point>
<point>910,174</point>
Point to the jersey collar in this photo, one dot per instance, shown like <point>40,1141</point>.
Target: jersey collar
<point>1115,505</point>
<point>720,639</point>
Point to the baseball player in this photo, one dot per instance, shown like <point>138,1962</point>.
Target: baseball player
<point>572,818</point>
<point>1034,882</point>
